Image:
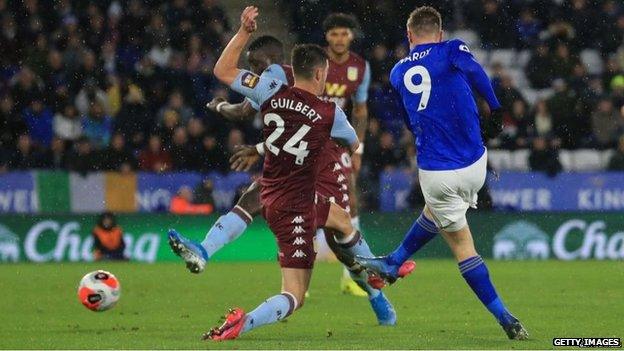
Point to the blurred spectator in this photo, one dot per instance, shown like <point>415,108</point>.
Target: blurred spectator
<point>55,156</point>
<point>235,138</point>
<point>171,121</point>
<point>182,203</point>
<point>175,104</point>
<point>388,155</point>
<point>561,105</point>
<point>616,163</point>
<point>380,63</point>
<point>579,14</point>
<point>179,150</point>
<point>89,95</point>
<point>507,93</point>
<point>542,120</point>
<point>11,126</point>
<point>113,94</point>
<point>529,28</point>
<point>494,26</point>
<point>97,126</point>
<point>38,119</point>
<point>604,122</point>
<point>154,157</point>
<point>27,88</point>
<point>213,156</point>
<point>134,119</point>
<point>67,124</point>
<point>544,158</point>
<point>516,126</point>
<point>108,240</point>
<point>82,159</point>
<point>563,61</point>
<point>202,194</point>
<point>25,156</point>
<point>539,69</point>
<point>117,157</point>
<point>195,130</point>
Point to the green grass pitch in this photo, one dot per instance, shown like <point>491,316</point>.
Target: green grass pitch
<point>163,306</point>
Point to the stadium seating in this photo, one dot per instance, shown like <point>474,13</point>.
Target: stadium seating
<point>582,160</point>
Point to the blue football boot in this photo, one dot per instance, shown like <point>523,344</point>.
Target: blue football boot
<point>190,251</point>
<point>383,310</point>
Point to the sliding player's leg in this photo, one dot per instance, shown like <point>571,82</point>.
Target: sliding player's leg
<point>225,230</point>
<point>476,274</point>
<point>346,247</point>
<point>349,284</point>
<point>295,282</point>
<point>294,232</point>
<point>231,226</point>
<point>420,233</point>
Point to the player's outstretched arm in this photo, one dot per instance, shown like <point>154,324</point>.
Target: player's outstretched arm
<point>343,132</point>
<point>243,111</point>
<point>226,69</point>
<point>478,79</point>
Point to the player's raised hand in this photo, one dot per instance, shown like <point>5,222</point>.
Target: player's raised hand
<point>248,19</point>
<point>245,156</point>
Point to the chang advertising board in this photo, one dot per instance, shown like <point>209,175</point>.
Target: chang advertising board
<point>51,240</point>
<point>572,239</point>
<point>68,238</point>
<point>501,236</point>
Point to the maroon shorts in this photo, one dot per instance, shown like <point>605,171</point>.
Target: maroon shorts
<point>322,209</point>
<point>334,179</point>
<point>294,231</point>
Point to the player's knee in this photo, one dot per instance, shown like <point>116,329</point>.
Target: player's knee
<point>343,222</point>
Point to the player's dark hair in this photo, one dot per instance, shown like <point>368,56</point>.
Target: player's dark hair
<point>305,58</point>
<point>339,20</point>
<point>266,42</point>
<point>425,19</point>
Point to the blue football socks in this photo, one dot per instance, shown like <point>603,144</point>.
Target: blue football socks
<point>476,274</point>
<point>421,232</point>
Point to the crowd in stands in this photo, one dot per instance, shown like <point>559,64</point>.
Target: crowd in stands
<point>121,85</point>
<point>112,85</point>
<point>557,67</point>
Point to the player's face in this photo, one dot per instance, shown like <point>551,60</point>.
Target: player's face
<point>339,40</point>
<point>258,62</point>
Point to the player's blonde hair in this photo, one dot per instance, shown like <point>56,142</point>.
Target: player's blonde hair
<point>424,19</point>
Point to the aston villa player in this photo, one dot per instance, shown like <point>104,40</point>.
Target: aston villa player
<point>348,79</point>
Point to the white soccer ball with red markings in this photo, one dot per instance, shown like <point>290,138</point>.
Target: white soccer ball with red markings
<point>99,290</point>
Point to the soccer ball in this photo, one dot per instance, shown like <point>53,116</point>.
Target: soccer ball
<point>99,290</point>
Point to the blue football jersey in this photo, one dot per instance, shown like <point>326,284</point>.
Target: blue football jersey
<point>434,83</point>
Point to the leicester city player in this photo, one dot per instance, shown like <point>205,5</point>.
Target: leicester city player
<point>435,83</point>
